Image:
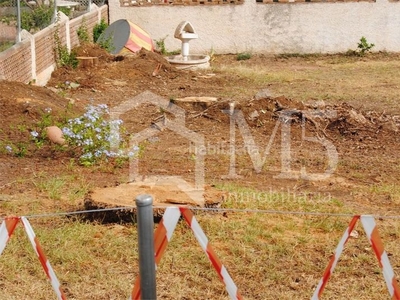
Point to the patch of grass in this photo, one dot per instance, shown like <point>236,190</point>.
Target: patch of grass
<point>162,49</point>
<point>5,45</point>
<point>332,78</point>
<point>78,190</point>
<point>81,255</point>
<point>258,74</point>
<point>64,187</point>
<point>52,186</point>
<point>285,200</point>
<point>269,256</point>
<point>243,56</point>
<point>298,55</point>
<point>390,191</point>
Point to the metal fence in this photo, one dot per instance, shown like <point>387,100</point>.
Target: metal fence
<point>35,15</point>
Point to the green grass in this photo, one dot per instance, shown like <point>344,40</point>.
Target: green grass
<point>5,45</point>
<point>269,256</point>
<point>284,200</point>
<point>369,83</point>
<point>390,191</point>
<point>52,186</point>
<point>243,56</point>
<point>64,187</point>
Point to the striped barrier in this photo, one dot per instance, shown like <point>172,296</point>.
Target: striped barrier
<point>371,231</point>
<point>163,235</point>
<point>7,229</point>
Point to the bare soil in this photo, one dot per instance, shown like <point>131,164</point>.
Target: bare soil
<point>366,139</point>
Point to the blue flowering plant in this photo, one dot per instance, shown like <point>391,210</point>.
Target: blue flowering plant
<point>19,149</point>
<point>38,138</point>
<point>38,135</point>
<point>93,135</point>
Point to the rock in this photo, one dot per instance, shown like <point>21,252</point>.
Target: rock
<point>55,135</point>
<point>254,115</point>
<point>357,117</point>
<point>263,93</point>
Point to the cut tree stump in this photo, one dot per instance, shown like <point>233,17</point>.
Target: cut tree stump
<point>166,191</point>
<point>87,61</point>
<point>202,102</point>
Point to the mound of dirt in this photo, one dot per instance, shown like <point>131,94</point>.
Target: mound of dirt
<point>342,119</point>
<point>94,50</point>
<point>140,66</point>
<point>22,107</point>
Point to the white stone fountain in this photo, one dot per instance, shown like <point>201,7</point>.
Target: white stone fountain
<point>185,32</point>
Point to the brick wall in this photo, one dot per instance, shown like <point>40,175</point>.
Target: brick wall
<point>17,63</point>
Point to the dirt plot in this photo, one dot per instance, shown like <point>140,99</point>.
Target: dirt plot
<point>365,136</point>
<point>322,129</point>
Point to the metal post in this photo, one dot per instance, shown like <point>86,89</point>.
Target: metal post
<point>18,21</point>
<point>147,264</point>
<point>55,12</point>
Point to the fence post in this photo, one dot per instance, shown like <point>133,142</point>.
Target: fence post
<point>18,21</point>
<point>147,264</point>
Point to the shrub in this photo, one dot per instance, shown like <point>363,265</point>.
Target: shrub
<point>363,46</point>
<point>94,135</point>
<point>98,29</point>
<point>83,34</point>
<point>243,56</point>
<point>38,18</point>
<point>64,57</point>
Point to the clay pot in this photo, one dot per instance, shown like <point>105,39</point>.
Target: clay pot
<point>55,135</point>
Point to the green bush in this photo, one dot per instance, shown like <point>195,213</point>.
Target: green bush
<point>64,57</point>
<point>363,46</point>
<point>243,56</point>
<point>38,18</point>
<point>83,34</point>
<point>98,29</point>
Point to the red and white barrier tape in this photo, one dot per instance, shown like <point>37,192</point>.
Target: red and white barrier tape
<point>163,235</point>
<point>334,259</point>
<point>43,259</point>
<point>206,246</point>
<point>6,230</point>
<point>371,231</point>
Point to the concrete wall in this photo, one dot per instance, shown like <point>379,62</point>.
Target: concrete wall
<point>323,27</point>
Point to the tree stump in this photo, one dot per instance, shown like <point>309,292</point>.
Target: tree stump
<point>87,61</point>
